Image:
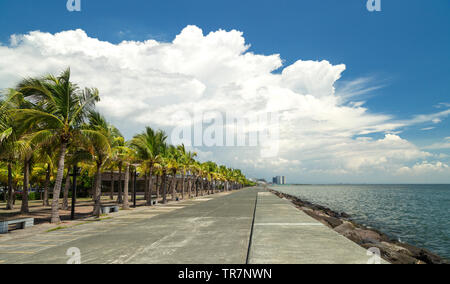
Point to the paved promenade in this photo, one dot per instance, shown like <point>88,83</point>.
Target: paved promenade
<point>248,226</point>
<point>283,234</point>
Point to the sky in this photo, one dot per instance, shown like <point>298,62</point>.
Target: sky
<point>362,97</point>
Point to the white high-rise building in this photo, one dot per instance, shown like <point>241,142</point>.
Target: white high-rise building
<point>279,180</point>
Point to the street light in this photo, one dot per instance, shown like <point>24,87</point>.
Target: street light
<point>75,173</point>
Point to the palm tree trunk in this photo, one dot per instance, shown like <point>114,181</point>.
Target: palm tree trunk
<point>98,191</point>
<point>119,193</point>
<point>174,187</point>
<point>195,181</point>
<point>65,204</point>
<point>182,186</point>
<point>150,187</point>
<point>133,184</point>
<point>126,204</point>
<point>169,184</point>
<point>111,195</point>
<point>158,186</point>
<point>202,189</point>
<point>26,182</point>
<point>57,189</point>
<point>46,185</point>
<point>146,187</point>
<point>9,205</point>
<point>14,194</point>
<point>164,189</point>
<point>189,187</point>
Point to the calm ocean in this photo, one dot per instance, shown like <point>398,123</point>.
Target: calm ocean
<point>416,214</point>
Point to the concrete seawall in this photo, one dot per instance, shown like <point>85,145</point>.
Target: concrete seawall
<point>247,226</point>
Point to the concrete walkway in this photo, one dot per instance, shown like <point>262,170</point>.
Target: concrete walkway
<point>283,234</point>
<point>215,229</point>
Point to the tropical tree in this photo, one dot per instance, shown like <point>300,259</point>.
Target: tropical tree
<point>149,146</point>
<point>126,155</point>
<point>224,173</point>
<point>100,149</point>
<point>45,155</point>
<point>186,160</point>
<point>60,108</point>
<point>27,157</point>
<point>173,164</point>
<point>14,146</point>
<point>162,167</point>
<point>118,152</point>
<point>11,174</point>
<point>77,154</point>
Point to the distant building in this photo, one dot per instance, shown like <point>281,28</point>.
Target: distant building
<point>279,180</point>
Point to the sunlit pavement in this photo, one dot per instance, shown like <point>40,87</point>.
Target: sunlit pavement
<point>215,229</point>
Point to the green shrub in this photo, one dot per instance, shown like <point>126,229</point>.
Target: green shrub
<point>34,196</point>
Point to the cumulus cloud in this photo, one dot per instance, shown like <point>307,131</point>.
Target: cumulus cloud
<point>322,130</point>
<point>424,167</point>
<point>439,145</point>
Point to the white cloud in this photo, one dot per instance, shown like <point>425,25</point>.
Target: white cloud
<point>440,145</point>
<point>145,83</point>
<point>423,118</point>
<point>424,168</point>
<point>436,120</point>
<point>442,105</point>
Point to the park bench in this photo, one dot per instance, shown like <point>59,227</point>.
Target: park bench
<point>109,209</point>
<point>21,224</point>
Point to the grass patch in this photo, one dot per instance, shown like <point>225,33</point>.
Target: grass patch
<point>56,229</point>
<point>79,224</point>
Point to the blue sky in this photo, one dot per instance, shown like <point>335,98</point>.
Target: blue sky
<point>404,48</point>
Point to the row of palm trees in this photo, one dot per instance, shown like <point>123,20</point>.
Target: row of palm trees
<point>49,124</point>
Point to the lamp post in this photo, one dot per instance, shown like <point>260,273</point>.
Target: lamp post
<point>75,173</point>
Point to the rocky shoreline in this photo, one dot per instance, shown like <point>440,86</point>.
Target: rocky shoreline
<point>391,250</point>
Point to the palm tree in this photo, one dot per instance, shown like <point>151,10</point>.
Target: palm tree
<point>210,174</point>
<point>100,150</point>
<point>173,157</point>
<point>196,171</point>
<point>60,108</point>
<point>162,166</point>
<point>77,153</point>
<point>117,154</point>
<point>224,173</point>
<point>27,157</point>
<point>45,155</point>
<point>11,173</point>
<point>186,160</point>
<point>149,146</point>
<point>13,146</point>
<point>127,156</point>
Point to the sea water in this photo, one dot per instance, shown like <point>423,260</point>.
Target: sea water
<point>415,214</point>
